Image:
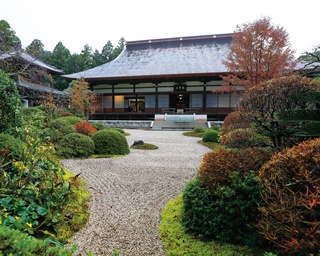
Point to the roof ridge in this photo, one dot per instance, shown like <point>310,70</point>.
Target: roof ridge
<point>176,39</point>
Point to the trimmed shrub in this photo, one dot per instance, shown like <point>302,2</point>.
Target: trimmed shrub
<point>222,203</point>
<point>110,142</point>
<point>15,242</point>
<point>199,129</point>
<point>99,126</point>
<point>244,138</point>
<point>225,213</point>
<point>291,194</point>
<point>14,145</point>
<point>210,135</point>
<point>84,128</point>
<point>216,167</point>
<point>76,145</point>
<point>63,121</point>
<point>233,121</point>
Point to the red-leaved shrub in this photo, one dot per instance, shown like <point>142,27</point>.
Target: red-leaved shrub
<point>217,166</point>
<point>233,121</point>
<point>291,214</point>
<point>84,128</point>
<point>63,114</point>
<point>244,138</point>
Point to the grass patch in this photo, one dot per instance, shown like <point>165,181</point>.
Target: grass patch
<point>193,134</point>
<point>177,242</point>
<point>145,146</point>
<point>212,145</point>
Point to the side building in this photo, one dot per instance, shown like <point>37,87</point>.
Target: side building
<point>171,75</point>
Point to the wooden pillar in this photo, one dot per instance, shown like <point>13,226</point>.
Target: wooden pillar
<point>113,105</point>
<point>204,99</point>
<point>156,106</point>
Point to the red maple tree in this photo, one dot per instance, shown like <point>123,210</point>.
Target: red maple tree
<point>259,51</point>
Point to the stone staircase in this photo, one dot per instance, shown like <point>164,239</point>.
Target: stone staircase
<point>178,122</point>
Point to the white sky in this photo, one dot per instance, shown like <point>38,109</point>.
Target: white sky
<point>94,22</point>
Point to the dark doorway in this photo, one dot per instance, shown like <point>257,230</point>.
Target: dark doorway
<point>179,101</point>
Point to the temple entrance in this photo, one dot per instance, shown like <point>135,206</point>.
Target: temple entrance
<point>179,101</point>
<point>135,104</point>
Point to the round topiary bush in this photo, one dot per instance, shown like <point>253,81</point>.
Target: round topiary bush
<point>14,145</point>
<point>210,135</point>
<point>99,126</point>
<point>76,145</point>
<point>244,138</point>
<point>225,213</point>
<point>291,195</point>
<point>199,129</point>
<point>110,142</point>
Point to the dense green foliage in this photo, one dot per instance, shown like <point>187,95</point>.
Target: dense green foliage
<point>110,142</point>
<point>291,189</point>
<point>225,213</point>
<point>177,242</point>
<point>76,145</point>
<point>15,242</point>
<point>98,126</point>
<point>9,42</point>
<point>13,145</point>
<point>10,106</point>
<point>211,135</point>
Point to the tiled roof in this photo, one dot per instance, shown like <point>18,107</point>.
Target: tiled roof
<point>32,60</point>
<point>164,57</point>
<point>40,88</point>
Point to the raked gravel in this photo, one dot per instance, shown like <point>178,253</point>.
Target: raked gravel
<point>128,193</point>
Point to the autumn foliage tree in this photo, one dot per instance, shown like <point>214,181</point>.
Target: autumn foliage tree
<point>259,51</point>
<point>81,98</point>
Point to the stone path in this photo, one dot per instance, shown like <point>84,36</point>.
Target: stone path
<point>128,193</point>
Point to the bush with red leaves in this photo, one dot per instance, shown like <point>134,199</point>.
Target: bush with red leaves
<point>217,166</point>
<point>291,214</point>
<point>233,121</point>
<point>85,128</point>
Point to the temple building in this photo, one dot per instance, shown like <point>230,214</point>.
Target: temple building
<point>171,75</point>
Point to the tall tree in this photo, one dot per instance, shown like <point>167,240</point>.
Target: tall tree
<point>36,49</point>
<point>86,57</point>
<point>259,51</point>
<point>106,53</point>
<point>59,57</point>
<point>118,49</point>
<point>9,42</point>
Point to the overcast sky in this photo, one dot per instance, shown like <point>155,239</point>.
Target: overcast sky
<point>94,22</point>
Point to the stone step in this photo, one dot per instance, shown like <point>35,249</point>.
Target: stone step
<point>174,125</point>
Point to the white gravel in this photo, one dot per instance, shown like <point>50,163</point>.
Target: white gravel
<point>129,192</point>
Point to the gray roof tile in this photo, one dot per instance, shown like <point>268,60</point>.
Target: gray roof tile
<point>165,57</point>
